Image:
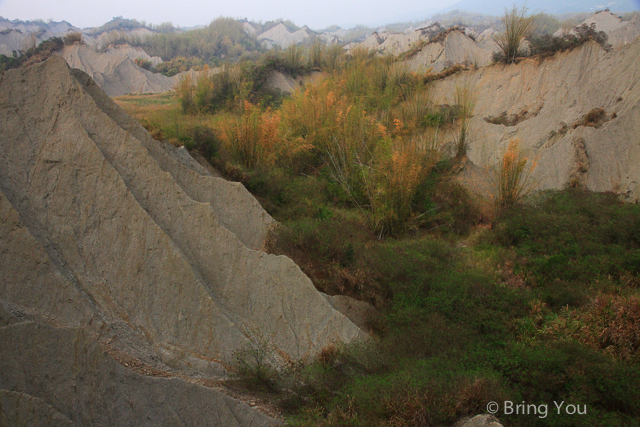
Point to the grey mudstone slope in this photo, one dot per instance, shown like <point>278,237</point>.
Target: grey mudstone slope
<point>619,32</point>
<point>71,381</point>
<point>434,48</point>
<point>20,409</point>
<point>456,48</point>
<point>134,245</point>
<point>115,70</point>
<point>546,105</point>
<point>281,36</point>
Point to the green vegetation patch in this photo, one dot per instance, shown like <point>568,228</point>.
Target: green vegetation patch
<point>223,38</point>
<point>526,299</point>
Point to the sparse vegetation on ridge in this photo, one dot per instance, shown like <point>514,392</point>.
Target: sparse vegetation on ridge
<point>223,39</point>
<point>119,23</point>
<point>32,55</point>
<point>549,44</point>
<point>536,30</point>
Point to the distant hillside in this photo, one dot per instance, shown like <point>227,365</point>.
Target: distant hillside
<point>19,35</point>
<point>123,24</point>
<point>223,39</point>
<point>35,26</point>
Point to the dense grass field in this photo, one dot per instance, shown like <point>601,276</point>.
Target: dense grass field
<point>512,297</point>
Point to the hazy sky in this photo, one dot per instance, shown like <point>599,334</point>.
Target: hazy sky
<point>316,14</point>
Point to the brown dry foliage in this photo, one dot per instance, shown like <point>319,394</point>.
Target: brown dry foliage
<point>418,407</point>
<point>445,73</point>
<point>72,38</point>
<point>594,118</point>
<point>610,323</point>
<point>328,355</point>
<point>253,137</point>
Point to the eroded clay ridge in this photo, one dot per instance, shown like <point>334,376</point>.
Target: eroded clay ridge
<point>131,242</point>
<point>577,114</point>
<point>115,70</point>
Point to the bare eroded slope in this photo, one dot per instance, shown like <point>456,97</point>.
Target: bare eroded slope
<point>548,105</point>
<point>133,246</point>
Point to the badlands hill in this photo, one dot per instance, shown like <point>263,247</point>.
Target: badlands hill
<point>433,47</point>
<point>453,48</point>
<point>115,70</point>
<point>130,274</point>
<point>619,32</point>
<point>281,36</point>
<point>576,114</point>
<point>20,35</point>
<point>429,47</point>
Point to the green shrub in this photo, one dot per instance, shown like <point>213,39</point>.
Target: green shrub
<point>573,244</point>
<point>147,65</point>
<point>254,366</point>
<point>287,61</point>
<point>178,65</point>
<point>548,44</point>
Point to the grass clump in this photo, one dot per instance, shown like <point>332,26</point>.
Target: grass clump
<point>465,98</point>
<point>512,177</point>
<point>252,364</point>
<point>144,64</point>
<point>228,87</point>
<point>594,118</point>
<point>252,137</point>
<point>367,128</point>
<point>72,38</point>
<point>516,27</point>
